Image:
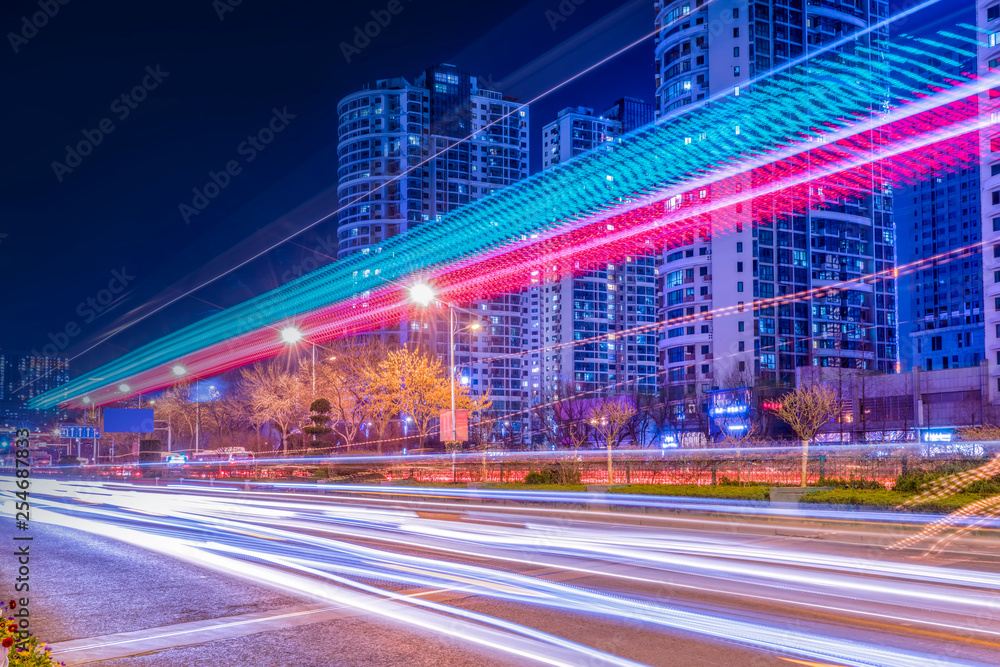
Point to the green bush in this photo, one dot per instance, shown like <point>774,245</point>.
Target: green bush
<point>886,499</point>
<point>841,483</point>
<point>915,481</point>
<point>989,486</point>
<point>537,477</point>
<point>517,486</point>
<point>554,475</point>
<point>725,481</point>
<point>728,492</point>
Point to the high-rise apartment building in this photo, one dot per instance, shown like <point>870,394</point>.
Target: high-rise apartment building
<point>722,328</point>
<point>988,57</point>
<point>578,130</point>
<point>940,259</point>
<point>409,153</point>
<point>615,304</point>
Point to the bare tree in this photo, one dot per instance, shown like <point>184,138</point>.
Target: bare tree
<point>639,428</point>
<point>610,419</point>
<point>805,410</point>
<point>175,407</point>
<point>572,418</point>
<point>275,396</point>
<point>341,379</point>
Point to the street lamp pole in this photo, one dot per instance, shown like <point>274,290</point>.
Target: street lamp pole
<point>197,422</point>
<point>451,357</point>
<point>314,372</point>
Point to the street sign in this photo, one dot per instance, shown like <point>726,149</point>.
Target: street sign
<point>78,432</point>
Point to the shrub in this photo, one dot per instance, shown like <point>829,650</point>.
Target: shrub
<point>888,500</point>
<point>730,492</point>
<point>518,486</point>
<point>536,477</point>
<point>725,481</point>
<point>916,481</point>
<point>558,474</point>
<point>841,483</point>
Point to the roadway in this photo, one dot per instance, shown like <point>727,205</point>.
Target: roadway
<point>188,574</point>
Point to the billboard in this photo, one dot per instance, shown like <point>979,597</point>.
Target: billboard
<point>460,431</point>
<point>121,420</point>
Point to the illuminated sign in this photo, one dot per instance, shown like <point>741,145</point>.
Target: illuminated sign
<point>771,406</point>
<point>938,436</point>
<point>79,432</point>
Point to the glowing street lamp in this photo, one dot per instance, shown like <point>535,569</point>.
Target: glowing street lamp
<point>422,294</point>
<point>179,370</point>
<point>124,388</point>
<point>291,335</point>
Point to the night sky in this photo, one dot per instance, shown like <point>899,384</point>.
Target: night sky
<point>107,225</point>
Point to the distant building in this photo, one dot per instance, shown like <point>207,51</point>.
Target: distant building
<point>578,130</point>
<point>602,304</point>
<point>925,406</point>
<point>24,376</point>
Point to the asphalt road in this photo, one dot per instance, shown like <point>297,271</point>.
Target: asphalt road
<point>388,581</point>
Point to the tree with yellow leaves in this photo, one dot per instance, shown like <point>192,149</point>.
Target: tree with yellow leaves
<point>421,388</point>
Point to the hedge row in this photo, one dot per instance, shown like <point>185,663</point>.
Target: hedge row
<point>889,499</point>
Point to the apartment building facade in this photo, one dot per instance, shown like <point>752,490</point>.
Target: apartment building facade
<point>723,327</point>
<point>411,152</point>
<point>988,61</point>
<point>598,329</point>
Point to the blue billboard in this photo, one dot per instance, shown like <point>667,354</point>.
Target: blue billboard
<point>121,420</point>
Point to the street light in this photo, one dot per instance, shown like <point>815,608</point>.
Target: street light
<point>179,370</point>
<point>124,388</point>
<point>422,294</point>
<point>291,335</point>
